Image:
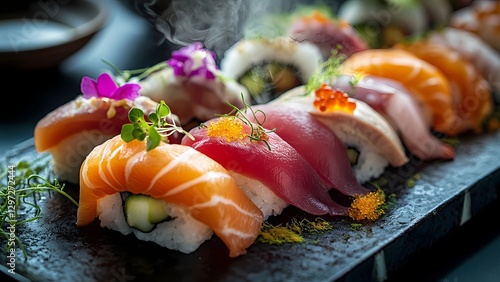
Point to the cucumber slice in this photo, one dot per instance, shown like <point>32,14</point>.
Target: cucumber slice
<point>353,155</point>
<point>267,80</point>
<point>144,212</point>
<point>254,83</point>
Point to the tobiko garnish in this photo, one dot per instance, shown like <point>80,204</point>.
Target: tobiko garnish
<point>328,99</point>
<point>106,87</point>
<point>193,60</point>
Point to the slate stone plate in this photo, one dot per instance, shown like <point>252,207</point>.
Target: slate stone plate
<point>445,195</point>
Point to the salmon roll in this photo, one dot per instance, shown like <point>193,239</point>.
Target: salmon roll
<point>172,195</point>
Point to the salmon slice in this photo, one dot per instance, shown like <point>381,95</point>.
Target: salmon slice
<point>426,82</point>
<point>471,92</point>
<point>102,114</point>
<point>471,46</point>
<point>176,174</point>
<point>72,130</point>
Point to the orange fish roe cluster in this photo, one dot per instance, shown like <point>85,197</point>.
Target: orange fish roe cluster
<point>367,206</point>
<point>318,17</point>
<point>331,100</point>
<point>229,128</point>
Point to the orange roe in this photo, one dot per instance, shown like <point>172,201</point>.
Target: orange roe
<point>316,17</point>
<point>331,100</point>
<point>367,206</point>
<point>228,128</point>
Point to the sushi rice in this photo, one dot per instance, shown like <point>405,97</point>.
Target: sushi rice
<point>263,197</point>
<point>182,233</point>
<point>247,53</point>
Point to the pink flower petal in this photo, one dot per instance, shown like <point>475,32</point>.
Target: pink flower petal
<point>128,91</point>
<point>88,87</point>
<point>106,85</point>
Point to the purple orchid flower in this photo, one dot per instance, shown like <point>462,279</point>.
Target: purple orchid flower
<point>193,60</point>
<point>105,87</point>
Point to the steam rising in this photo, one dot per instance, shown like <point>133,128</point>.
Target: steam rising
<point>218,24</point>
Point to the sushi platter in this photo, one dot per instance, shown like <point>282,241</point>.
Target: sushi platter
<point>283,157</point>
<point>445,196</point>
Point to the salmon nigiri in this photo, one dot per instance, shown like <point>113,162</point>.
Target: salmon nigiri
<point>73,129</point>
<point>471,46</point>
<point>175,184</point>
<point>426,82</point>
<point>471,92</point>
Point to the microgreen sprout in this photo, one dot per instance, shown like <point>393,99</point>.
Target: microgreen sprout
<point>137,74</point>
<point>20,196</point>
<point>160,126</point>
<point>327,71</point>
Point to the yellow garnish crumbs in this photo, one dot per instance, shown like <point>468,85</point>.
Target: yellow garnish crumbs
<point>229,128</point>
<point>111,112</point>
<point>410,183</point>
<point>112,108</point>
<point>369,206</point>
<point>292,232</point>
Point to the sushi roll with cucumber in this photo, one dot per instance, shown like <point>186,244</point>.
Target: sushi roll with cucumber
<point>268,67</point>
<point>172,195</point>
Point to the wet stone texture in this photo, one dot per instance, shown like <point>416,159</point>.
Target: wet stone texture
<point>60,251</point>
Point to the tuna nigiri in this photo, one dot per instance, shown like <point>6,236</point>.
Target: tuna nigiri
<point>357,125</point>
<point>426,82</point>
<point>253,153</point>
<point>471,92</point>
<point>179,187</point>
<point>328,33</point>
<point>313,141</point>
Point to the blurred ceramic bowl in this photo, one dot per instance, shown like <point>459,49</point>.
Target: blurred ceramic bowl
<point>41,34</point>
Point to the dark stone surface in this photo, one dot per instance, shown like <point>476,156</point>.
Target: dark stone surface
<point>61,251</point>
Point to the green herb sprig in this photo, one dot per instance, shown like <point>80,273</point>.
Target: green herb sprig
<point>160,126</point>
<point>21,188</point>
<point>136,74</point>
<point>327,71</point>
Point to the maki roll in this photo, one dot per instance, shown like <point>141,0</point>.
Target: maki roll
<point>267,67</point>
<point>172,195</point>
<point>193,86</point>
